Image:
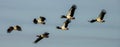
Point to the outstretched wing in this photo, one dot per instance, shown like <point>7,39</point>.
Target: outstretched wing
<point>18,28</point>
<point>66,22</point>
<point>10,29</point>
<point>46,35</point>
<point>71,11</point>
<point>92,21</point>
<point>35,21</point>
<point>38,39</point>
<point>102,14</point>
<point>42,18</point>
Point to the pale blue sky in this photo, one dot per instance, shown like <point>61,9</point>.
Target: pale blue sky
<point>81,33</point>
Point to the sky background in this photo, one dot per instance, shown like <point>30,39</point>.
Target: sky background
<point>81,33</point>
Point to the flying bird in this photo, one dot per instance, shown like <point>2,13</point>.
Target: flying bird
<point>65,25</point>
<point>100,17</point>
<point>40,20</point>
<point>11,28</point>
<point>70,13</point>
<point>40,37</point>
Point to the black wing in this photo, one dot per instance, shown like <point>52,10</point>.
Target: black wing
<point>18,28</point>
<point>93,20</point>
<point>102,14</point>
<point>67,22</point>
<point>46,35</point>
<point>42,18</point>
<point>10,29</point>
<point>35,21</point>
<point>38,39</point>
<point>72,10</point>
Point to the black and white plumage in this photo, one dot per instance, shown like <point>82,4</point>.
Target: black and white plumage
<point>40,37</point>
<point>40,20</point>
<point>100,17</point>
<point>11,28</point>
<point>70,13</point>
<point>65,25</point>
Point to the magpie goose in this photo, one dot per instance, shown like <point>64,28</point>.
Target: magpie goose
<point>100,17</point>
<point>11,28</point>
<point>70,13</point>
<point>65,25</point>
<point>40,37</point>
<point>40,20</point>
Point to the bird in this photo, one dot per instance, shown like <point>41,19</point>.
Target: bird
<point>11,28</point>
<point>100,17</point>
<point>41,36</point>
<point>40,20</point>
<point>70,13</point>
<point>65,25</point>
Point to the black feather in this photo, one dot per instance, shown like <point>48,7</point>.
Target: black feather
<point>102,14</point>
<point>93,20</point>
<point>10,29</point>
<point>19,28</point>
<point>67,22</point>
<point>73,8</point>
<point>63,16</point>
<point>35,21</point>
<point>38,39</point>
<point>42,18</point>
<point>58,27</point>
<point>46,34</point>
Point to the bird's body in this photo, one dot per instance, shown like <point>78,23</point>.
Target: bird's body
<point>64,28</point>
<point>99,20</point>
<point>70,13</point>
<point>15,28</point>
<point>40,20</point>
<point>40,37</point>
<point>11,28</point>
<point>100,17</point>
<point>65,25</point>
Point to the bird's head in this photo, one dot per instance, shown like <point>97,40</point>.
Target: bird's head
<point>63,16</point>
<point>58,27</point>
